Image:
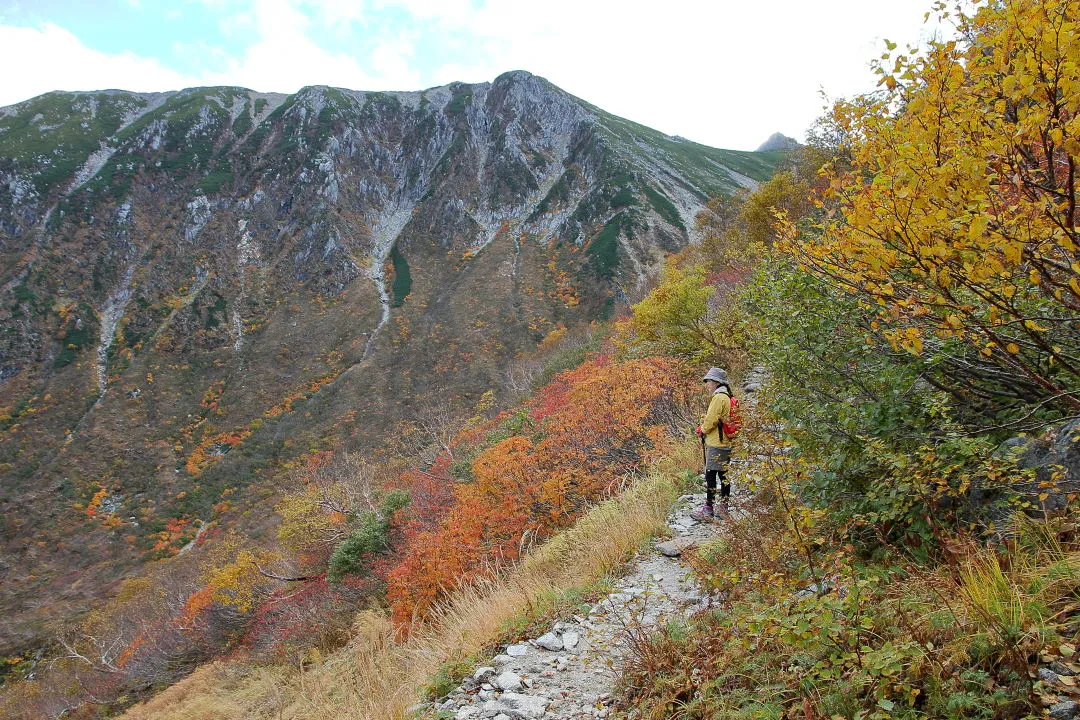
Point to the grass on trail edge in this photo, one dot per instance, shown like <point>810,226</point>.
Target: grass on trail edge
<point>376,677</point>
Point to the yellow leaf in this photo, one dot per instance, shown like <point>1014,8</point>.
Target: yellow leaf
<point>1013,252</point>
<point>978,227</point>
<point>1013,348</point>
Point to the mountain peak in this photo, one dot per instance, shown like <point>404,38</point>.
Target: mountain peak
<point>517,75</point>
<point>778,141</point>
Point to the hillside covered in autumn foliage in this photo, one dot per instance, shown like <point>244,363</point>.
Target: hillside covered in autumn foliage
<point>199,288</point>
<point>353,530</point>
<point>907,544</point>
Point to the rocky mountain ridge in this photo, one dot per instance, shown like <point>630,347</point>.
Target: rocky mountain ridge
<point>198,287</point>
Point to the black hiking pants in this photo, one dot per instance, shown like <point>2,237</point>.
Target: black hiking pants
<point>716,462</point>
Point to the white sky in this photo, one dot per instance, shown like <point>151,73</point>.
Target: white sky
<point>723,73</point>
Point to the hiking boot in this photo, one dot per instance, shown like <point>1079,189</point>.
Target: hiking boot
<point>722,511</point>
<point>705,513</point>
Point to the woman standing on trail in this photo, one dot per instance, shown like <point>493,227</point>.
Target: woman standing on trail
<point>717,451</point>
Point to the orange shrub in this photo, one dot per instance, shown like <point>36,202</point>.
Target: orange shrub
<point>591,427</point>
<point>211,448</point>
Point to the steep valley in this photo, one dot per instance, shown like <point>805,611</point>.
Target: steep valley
<point>199,287</point>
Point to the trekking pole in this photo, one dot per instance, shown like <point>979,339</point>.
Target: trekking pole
<point>704,457</point>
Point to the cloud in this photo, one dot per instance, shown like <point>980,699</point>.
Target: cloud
<point>721,72</point>
<point>284,56</point>
<point>717,71</point>
<point>338,14</point>
<point>449,13</point>
<point>61,62</point>
<point>391,61</point>
<point>280,55</point>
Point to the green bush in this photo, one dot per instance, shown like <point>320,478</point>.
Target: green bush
<point>879,440</point>
<point>217,178</point>
<point>369,538</point>
<point>401,285</point>
<point>664,207</point>
<point>603,250</point>
<point>75,339</point>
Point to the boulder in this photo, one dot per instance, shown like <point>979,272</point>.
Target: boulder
<point>509,682</point>
<point>550,641</point>
<point>1055,460</point>
<point>1029,453</point>
<point>516,705</point>
<point>1067,451</point>
<point>676,547</point>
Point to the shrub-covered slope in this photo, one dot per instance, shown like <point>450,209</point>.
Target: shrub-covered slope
<point>915,552</point>
<point>197,287</point>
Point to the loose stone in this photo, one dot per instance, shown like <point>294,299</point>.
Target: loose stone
<point>550,641</point>
<point>1067,710</point>
<point>509,682</point>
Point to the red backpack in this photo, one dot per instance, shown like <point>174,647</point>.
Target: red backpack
<point>734,422</point>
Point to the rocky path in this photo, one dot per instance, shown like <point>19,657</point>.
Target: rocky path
<point>570,671</point>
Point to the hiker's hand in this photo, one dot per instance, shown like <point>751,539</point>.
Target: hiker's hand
<point>699,432</point>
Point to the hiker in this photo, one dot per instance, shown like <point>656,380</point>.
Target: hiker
<point>714,443</point>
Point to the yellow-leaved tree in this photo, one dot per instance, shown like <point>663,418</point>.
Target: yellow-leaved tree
<point>675,316</point>
<point>957,217</point>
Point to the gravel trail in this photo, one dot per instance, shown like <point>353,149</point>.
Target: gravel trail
<point>570,671</point>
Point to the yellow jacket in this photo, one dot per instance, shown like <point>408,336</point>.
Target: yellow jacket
<point>712,422</point>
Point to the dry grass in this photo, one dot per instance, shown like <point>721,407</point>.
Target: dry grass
<point>376,677</point>
<point>219,690</point>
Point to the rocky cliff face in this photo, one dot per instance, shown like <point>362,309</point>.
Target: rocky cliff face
<point>197,287</point>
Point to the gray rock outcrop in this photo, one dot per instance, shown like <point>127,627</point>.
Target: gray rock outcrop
<point>1055,460</point>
